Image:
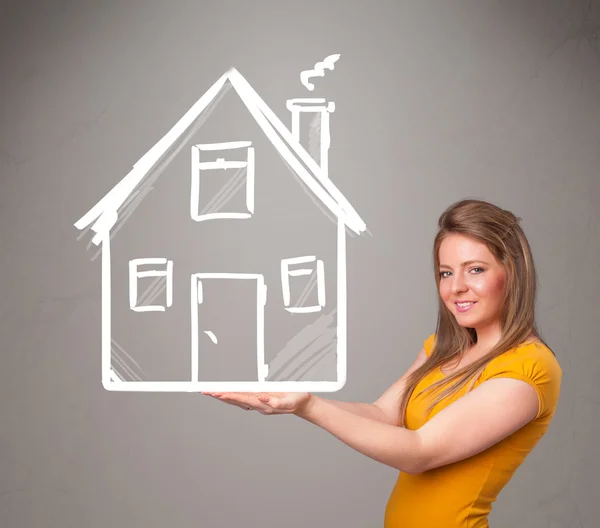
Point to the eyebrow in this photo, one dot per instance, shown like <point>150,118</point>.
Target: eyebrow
<point>466,263</point>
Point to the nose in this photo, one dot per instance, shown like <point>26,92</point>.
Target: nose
<point>458,284</point>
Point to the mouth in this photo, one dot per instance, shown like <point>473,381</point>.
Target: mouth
<point>464,306</point>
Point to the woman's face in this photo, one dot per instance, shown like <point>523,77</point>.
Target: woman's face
<point>470,274</point>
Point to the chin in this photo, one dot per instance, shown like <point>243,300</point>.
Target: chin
<point>467,322</point>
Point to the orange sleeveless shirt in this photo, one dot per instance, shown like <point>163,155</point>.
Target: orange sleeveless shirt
<point>460,495</point>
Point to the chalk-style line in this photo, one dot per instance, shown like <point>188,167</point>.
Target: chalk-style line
<point>123,216</point>
<point>212,336</point>
<point>303,342</point>
<point>155,289</point>
<point>286,273</point>
<point>145,185</point>
<point>222,386</point>
<point>231,186</point>
<point>341,305</point>
<point>308,289</point>
<point>321,283</point>
<point>119,349</point>
<point>135,274</point>
<point>301,370</point>
<point>122,189</point>
<point>316,147</point>
<point>299,272</point>
<point>117,360</point>
<point>315,200</point>
<point>222,216</point>
<point>106,334</point>
<point>223,198</point>
<point>263,384</point>
<point>288,147</point>
<point>285,270</point>
<point>197,166</point>
<point>319,132</point>
<point>250,181</point>
<point>299,260</point>
<point>318,71</point>
<point>197,298</point>
<point>221,164</point>
<point>274,129</point>
<point>230,145</point>
<point>114,377</point>
<point>108,215</point>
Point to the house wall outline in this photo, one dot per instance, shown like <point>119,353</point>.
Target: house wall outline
<point>102,217</point>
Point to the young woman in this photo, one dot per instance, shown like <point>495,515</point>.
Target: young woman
<point>479,395</point>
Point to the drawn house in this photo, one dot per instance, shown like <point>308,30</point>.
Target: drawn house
<point>223,253</point>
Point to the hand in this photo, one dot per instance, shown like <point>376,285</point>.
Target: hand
<point>266,402</point>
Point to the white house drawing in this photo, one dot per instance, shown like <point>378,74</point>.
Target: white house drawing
<point>270,167</point>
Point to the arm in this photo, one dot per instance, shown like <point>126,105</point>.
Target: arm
<point>471,424</point>
<point>385,409</point>
<point>366,410</point>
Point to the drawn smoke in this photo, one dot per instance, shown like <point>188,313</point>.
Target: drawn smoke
<point>318,71</point>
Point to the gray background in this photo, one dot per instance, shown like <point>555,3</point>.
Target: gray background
<point>435,102</point>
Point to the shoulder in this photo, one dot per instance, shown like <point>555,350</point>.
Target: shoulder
<point>532,359</point>
<point>535,364</point>
<point>428,344</point>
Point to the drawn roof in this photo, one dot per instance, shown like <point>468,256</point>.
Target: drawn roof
<point>288,147</point>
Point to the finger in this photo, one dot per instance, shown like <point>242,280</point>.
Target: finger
<point>234,403</point>
<point>246,401</point>
<point>265,398</point>
<point>231,395</point>
<point>271,401</point>
<point>221,397</point>
<point>235,396</point>
<point>211,394</point>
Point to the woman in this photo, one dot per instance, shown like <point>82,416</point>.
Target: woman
<point>479,395</point>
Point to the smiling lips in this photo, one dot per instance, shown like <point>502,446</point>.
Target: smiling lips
<point>464,306</point>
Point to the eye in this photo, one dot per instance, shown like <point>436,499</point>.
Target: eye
<point>442,273</point>
<point>477,269</point>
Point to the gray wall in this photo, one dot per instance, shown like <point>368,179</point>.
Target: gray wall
<point>435,102</point>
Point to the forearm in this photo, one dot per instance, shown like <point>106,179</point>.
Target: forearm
<point>393,446</point>
<point>367,410</point>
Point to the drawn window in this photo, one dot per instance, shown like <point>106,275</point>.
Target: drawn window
<point>150,288</point>
<point>222,181</point>
<point>303,284</point>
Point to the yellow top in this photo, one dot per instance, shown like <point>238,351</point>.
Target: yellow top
<point>460,495</point>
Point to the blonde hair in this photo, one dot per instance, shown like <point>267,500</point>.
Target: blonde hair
<point>501,232</point>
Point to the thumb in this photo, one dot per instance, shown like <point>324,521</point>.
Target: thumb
<point>271,400</point>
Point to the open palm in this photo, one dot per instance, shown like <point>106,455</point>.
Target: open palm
<point>265,402</point>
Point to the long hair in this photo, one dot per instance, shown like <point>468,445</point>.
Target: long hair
<point>501,232</point>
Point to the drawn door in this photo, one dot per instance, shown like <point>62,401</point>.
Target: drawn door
<point>227,327</point>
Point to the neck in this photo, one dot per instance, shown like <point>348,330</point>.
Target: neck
<point>488,336</point>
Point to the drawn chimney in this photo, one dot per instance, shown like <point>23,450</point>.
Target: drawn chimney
<point>310,127</point>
